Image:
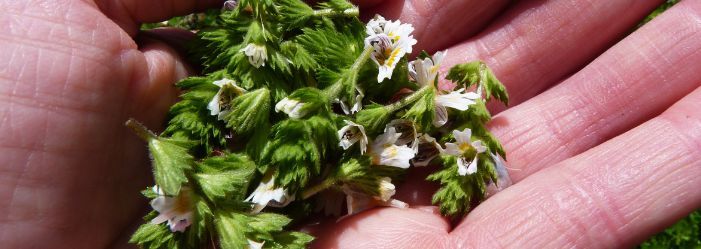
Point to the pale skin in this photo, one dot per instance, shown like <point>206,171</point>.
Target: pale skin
<point>603,133</point>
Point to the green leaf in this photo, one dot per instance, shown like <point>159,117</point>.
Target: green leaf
<point>170,158</point>
<point>291,240</point>
<point>249,112</point>
<point>457,193</point>
<point>152,236</point>
<point>170,161</point>
<point>231,228</point>
<point>296,149</point>
<point>190,119</point>
<point>338,5</point>
<point>225,176</point>
<point>294,13</point>
<point>373,118</point>
<point>477,72</point>
<point>423,112</point>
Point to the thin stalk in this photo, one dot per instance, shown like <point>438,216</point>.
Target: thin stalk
<point>330,12</point>
<point>333,90</point>
<point>140,130</point>
<point>409,99</point>
<point>328,182</point>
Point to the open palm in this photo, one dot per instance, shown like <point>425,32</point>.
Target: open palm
<point>603,137</point>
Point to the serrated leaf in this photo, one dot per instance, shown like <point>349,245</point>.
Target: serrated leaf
<point>231,228</point>
<point>170,161</point>
<point>423,112</point>
<point>249,111</point>
<point>225,177</point>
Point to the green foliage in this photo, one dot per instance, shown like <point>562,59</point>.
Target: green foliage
<point>287,52</point>
<point>373,118</point>
<point>458,193</point>
<point>297,148</point>
<point>224,177</point>
<point>423,112</point>
<point>154,236</point>
<point>236,229</point>
<point>472,73</point>
<point>362,175</point>
<point>190,119</point>
<point>248,112</point>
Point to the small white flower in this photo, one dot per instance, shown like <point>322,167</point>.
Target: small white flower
<point>255,245</point>
<point>177,211</point>
<point>387,189</point>
<point>424,71</point>
<point>215,105</point>
<point>352,133</point>
<point>503,179</point>
<point>291,107</point>
<point>385,151</point>
<point>391,41</point>
<point>408,130</point>
<point>357,201</point>
<point>267,195</point>
<point>230,5</point>
<point>257,55</point>
<point>356,107</point>
<point>466,150</point>
<point>428,149</point>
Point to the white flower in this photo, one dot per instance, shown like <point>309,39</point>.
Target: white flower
<point>503,179</point>
<point>255,245</point>
<point>356,107</point>
<point>256,54</point>
<point>408,130</point>
<point>357,201</point>
<point>424,71</point>
<point>230,5</point>
<point>385,151</point>
<point>219,99</point>
<point>391,41</point>
<point>267,195</point>
<point>291,107</point>
<point>466,150</point>
<point>177,211</point>
<point>428,149</point>
<point>352,133</point>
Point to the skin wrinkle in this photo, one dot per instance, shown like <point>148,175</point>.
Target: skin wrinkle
<point>605,122</point>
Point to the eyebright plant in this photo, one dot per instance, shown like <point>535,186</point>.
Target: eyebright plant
<point>300,110</point>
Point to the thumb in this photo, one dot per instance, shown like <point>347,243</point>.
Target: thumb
<point>163,66</point>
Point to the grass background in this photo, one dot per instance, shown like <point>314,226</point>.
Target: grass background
<point>686,233</point>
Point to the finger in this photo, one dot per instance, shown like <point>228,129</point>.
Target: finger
<point>612,196</point>
<point>161,66</point>
<point>440,23</point>
<point>537,54</point>
<point>383,228</point>
<point>632,82</point>
<point>129,14</point>
<point>537,43</point>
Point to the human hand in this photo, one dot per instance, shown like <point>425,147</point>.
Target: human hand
<point>71,74</point>
<point>72,183</point>
<point>596,160</point>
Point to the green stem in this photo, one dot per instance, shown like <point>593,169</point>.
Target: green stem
<point>328,182</point>
<point>330,12</point>
<point>409,99</point>
<point>334,90</point>
<point>140,130</point>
